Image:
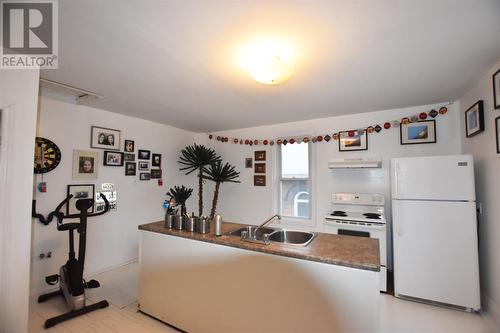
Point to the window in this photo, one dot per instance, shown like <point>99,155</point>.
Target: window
<point>294,181</point>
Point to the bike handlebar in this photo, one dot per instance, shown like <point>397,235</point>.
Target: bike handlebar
<point>107,207</point>
<point>60,216</point>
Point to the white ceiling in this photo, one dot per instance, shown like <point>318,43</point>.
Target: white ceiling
<point>173,62</point>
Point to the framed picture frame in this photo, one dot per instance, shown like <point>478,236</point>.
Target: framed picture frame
<point>260,155</point>
<point>113,158</point>
<point>496,89</point>
<point>497,129</point>
<point>353,143</point>
<point>128,157</point>
<point>130,168</point>
<point>259,180</point>
<point>143,166</point>
<point>85,164</point>
<point>474,119</point>
<point>144,176</point>
<point>419,132</point>
<point>260,168</point>
<point>156,160</point>
<point>79,191</point>
<point>129,146</point>
<point>143,154</point>
<point>248,162</point>
<point>156,173</point>
<point>104,138</point>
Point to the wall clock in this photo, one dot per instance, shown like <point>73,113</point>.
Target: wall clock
<point>47,155</point>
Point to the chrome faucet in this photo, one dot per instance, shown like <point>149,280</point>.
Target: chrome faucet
<point>266,222</point>
<point>250,234</point>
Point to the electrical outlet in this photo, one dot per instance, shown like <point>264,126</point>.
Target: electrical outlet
<point>45,255</point>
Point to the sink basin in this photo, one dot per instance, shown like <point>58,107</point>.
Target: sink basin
<point>298,238</point>
<point>301,238</point>
<point>251,232</point>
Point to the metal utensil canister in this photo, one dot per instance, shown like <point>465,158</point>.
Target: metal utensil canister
<point>203,225</point>
<point>169,221</point>
<point>179,222</point>
<point>218,225</point>
<point>190,223</point>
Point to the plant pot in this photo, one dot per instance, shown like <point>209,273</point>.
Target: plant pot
<point>169,221</point>
<point>190,223</point>
<point>179,221</point>
<point>203,225</point>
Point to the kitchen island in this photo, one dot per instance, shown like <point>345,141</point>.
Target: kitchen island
<point>203,283</point>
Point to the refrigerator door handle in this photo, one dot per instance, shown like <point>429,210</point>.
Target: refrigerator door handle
<point>396,180</point>
<point>399,221</point>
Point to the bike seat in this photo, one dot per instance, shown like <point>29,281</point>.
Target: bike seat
<point>67,226</point>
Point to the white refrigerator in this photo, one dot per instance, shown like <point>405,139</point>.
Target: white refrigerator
<point>435,230</point>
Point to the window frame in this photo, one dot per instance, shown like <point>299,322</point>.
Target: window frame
<point>292,220</point>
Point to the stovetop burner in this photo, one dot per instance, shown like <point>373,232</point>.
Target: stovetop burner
<point>372,216</point>
<point>338,213</point>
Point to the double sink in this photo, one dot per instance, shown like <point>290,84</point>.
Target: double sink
<point>265,235</point>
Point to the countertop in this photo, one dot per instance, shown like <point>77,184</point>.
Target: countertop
<point>349,251</point>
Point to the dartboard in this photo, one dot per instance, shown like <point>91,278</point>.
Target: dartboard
<point>47,155</point>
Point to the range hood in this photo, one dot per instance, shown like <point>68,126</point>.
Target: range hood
<point>355,163</point>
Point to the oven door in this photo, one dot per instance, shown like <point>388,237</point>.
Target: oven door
<point>377,231</point>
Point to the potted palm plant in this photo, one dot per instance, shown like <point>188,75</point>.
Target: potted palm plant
<point>219,173</point>
<point>194,158</point>
<point>180,194</point>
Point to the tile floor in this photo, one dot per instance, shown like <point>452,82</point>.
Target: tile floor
<point>119,287</point>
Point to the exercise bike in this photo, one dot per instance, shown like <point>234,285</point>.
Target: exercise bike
<point>71,283</point>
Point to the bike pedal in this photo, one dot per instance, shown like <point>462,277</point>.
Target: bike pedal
<point>52,279</point>
<point>92,284</point>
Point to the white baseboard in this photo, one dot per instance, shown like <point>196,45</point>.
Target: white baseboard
<point>86,276</point>
<point>492,314</point>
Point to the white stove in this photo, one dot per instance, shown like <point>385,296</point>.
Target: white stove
<point>361,215</point>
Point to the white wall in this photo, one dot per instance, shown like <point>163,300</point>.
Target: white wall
<point>248,204</point>
<point>112,239</point>
<point>18,101</point>
<point>487,165</point>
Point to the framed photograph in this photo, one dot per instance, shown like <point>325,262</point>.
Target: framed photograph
<point>113,158</point>
<point>248,162</point>
<point>474,119</point>
<point>260,155</point>
<point>128,157</point>
<point>129,146</point>
<point>353,143</point>
<point>144,176</point>
<point>260,168</point>
<point>418,132</point>
<point>156,160</point>
<point>85,164</point>
<point>497,128</point>
<point>143,166</point>
<point>144,154</point>
<point>130,168</point>
<point>156,173</point>
<point>259,180</point>
<point>496,89</point>
<point>85,191</point>
<point>104,138</point>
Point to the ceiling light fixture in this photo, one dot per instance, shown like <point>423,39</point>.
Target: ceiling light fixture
<point>269,62</point>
